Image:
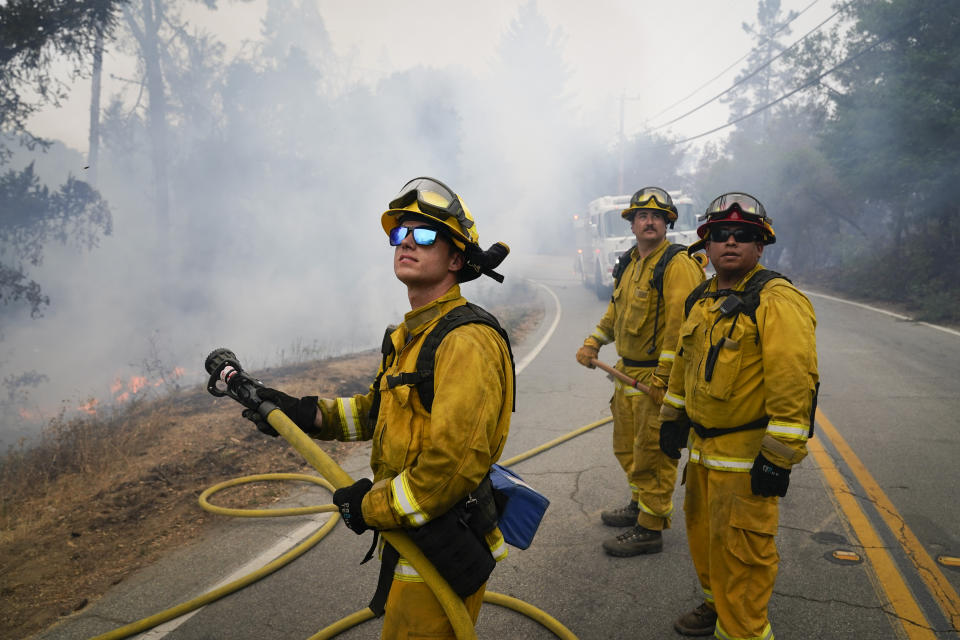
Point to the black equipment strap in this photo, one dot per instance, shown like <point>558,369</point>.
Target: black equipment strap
<point>707,432</point>
<point>750,294</point>
<point>386,350</point>
<point>422,378</point>
<point>640,363</point>
<point>388,562</point>
<point>658,269</point>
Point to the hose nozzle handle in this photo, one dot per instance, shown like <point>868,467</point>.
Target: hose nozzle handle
<point>223,367</point>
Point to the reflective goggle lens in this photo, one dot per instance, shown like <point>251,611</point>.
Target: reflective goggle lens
<point>427,191</point>
<point>423,236</point>
<point>642,197</point>
<point>747,204</point>
<point>740,234</point>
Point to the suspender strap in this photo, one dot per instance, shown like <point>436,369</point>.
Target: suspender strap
<point>707,432</point>
<point>388,562</point>
<point>413,377</point>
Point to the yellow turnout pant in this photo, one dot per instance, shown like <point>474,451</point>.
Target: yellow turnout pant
<point>636,445</point>
<point>732,542</point>
<point>414,613</point>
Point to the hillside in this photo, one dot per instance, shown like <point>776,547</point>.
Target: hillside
<point>103,497</point>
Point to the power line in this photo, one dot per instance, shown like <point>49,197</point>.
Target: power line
<point>748,76</point>
<point>796,90</point>
<point>731,66</point>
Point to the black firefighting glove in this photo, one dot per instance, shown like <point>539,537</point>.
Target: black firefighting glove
<point>767,479</point>
<point>673,437</point>
<point>303,411</point>
<point>348,500</point>
<point>262,425</point>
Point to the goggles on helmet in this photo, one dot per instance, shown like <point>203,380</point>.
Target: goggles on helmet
<point>659,196</point>
<point>423,236</point>
<point>747,205</point>
<point>653,199</point>
<point>433,197</point>
<point>735,207</point>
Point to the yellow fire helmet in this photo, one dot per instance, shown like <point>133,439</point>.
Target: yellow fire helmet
<point>654,199</point>
<point>430,200</point>
<point>739,208</point>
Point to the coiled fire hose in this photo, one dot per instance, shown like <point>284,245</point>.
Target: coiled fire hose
<point>224,367</point>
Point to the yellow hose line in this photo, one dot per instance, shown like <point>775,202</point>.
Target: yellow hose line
<point>547,445</point>
<point>452,605</point>
<point>524,608</point>
<point>343,624</point>
<point>211,596</point>
<point>335,477</point>
<point>265,513</point>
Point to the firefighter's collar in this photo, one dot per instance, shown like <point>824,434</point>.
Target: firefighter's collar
<point>416,320</point>
<point>714,286</point>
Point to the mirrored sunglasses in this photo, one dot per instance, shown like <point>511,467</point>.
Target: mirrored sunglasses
<point>423,236</point>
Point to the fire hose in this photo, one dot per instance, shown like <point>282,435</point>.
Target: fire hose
<point>227,378</point>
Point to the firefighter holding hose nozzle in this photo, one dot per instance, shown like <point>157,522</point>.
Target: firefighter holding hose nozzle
<point>438,413</point>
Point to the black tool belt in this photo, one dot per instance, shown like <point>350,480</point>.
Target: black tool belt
<point>706,432</point>
<point>640,363</point>
<point>454,543</point>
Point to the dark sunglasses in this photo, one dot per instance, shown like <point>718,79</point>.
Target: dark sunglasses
<point>740,234</point>
<point>423,236</point>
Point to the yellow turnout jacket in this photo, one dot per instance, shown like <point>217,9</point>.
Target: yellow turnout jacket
<point>631,316</point>
<point>423,463</point>
<point>765,369</point>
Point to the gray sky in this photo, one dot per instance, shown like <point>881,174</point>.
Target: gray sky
<point>654,52</point>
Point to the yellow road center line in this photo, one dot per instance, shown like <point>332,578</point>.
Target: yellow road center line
<point>905,608</point>
<point>936,582</point>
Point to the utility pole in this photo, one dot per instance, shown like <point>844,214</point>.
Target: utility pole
<point>623,99</point>
<point>622,139</point>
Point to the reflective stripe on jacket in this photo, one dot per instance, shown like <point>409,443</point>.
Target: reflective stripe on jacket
<point>423,463</point>
<point>765,369</point>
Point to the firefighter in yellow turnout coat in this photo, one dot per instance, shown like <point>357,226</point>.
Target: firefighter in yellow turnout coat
<point>743,390</point>
<point>643,320</point>
<point>426,460</point>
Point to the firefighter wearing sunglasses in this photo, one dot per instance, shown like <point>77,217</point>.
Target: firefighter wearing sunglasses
<point>741,397</point>
<point>643,318</point>
<point>438,414</point>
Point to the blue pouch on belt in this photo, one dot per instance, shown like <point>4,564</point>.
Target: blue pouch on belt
<point>520,507</point>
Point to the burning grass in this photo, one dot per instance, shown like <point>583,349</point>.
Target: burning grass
<point>101,496</point>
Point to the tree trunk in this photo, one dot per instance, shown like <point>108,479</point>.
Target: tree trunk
<point>157,110</point>
<point>93,150</point>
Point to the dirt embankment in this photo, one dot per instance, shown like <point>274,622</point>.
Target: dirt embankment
<point>66,539</point>
<point>105,497</point>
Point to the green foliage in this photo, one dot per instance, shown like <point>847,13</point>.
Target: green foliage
<point>894,141</point>
<point>34,35</point>
<point>31,215</point>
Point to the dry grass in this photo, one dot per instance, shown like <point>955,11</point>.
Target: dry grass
<point>99,498</point>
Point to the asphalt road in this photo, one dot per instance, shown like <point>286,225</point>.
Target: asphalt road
<point>879,484</point>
